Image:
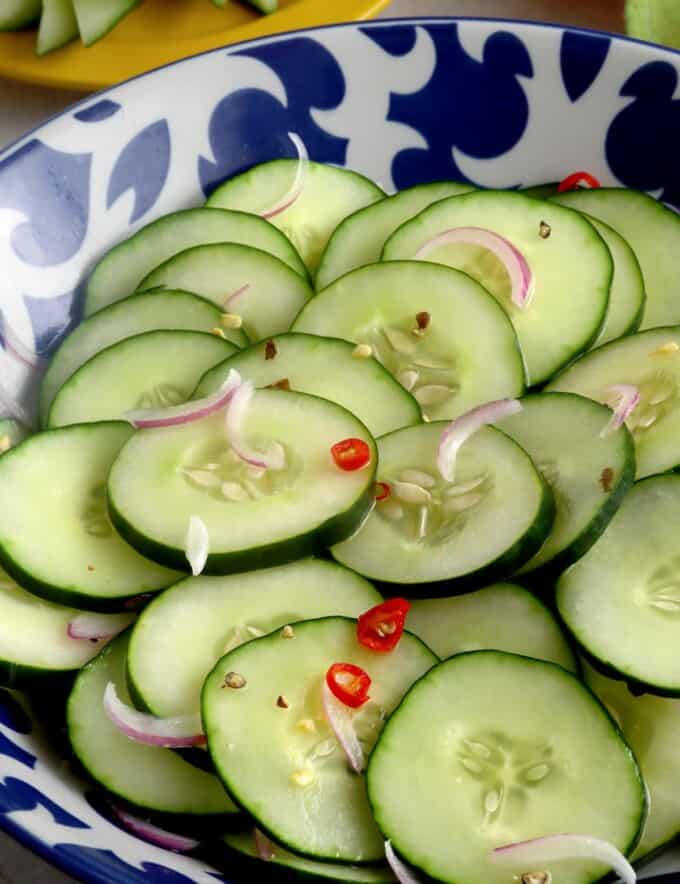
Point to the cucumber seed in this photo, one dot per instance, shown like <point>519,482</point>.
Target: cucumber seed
<point>287,632</point>
<point>218,333</point>
<point>362,351</point>
<point>232,320</point>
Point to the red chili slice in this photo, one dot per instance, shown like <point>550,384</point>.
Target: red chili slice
<point>576,179</point>
<point>381,627</point>
<point>351,454</point>
<point>382,491</point>
<point>349,683</point>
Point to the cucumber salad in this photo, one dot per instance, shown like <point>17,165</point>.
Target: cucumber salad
<point>347,522</point>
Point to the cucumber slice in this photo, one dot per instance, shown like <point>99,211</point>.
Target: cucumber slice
<point>466,356</point>
<point>501,617</point>
<point>287,866</point>
<point>621,601</point>
<point>650,724</point>
<point>124,319</point>
<point>651,230</point>
<point>329,195</point>
<point>97,17</point>
<point>11,434</point>
<point>541,191</point>
<point>492,748</point>
<point>120,271</point>
<point>58,26</point>
<point>432,537</point>
<point>274,296</point>
<point>261,754</point>
<point>58,478</point>
<point>589,474</point>
<point>359,239</point>
<point>151,370</point>
<point>16,14</point>
<point>324,367</point>
<point>254,519</point>
<point>266,7</point>
<point>182,634</point>
<point>147,777</point>
<point>572,269</point>
<point>650,361</point>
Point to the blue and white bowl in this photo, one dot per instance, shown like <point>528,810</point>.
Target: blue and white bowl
<point>501,104</point>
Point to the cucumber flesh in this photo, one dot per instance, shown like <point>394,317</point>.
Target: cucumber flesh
<point>58,478</point>
<point>124,319</point>
<point>491,748</point>
<point>571,267</point>
<point>650,361</point>
<point>259,752</point>
<point>501,617</point>
<point>16,14</point>
<point>58,26</point>
<point>620,601</point>
<point>152,370</point>
<point>589,473</point>
<point>254,518</point>
<point>97,17</point>
<point>324,367</point>
<point>433,537</point>
<point>148,777</point>
<point>329,195</point>
<point>11,434</point>
<point>359,239</point>
<point>121,270</point>
<point>467,355</point>
<point>274,296</point>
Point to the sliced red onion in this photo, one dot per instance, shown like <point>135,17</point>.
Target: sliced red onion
<point>196,410</point>
<point>235,295</point>
<point>401,871</point>
<point>460,430</point>
<point>176,732</point>
<point>151,833</point>
<point>266,849</point>
<point>341,720</point>
<point>538,852</point>
<point>97,627</point>
<point>298,183</point>
<point>272,459</point>
<point>197,545</point>
<point>516,265</point>
<point>628,398</point>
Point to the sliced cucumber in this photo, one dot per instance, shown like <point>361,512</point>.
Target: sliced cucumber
<point>16,14</point>
<point>467,355</point>
<point>264,291</point>
<point>58,26</point>
<point>11,434</point>
<point>571,268</point>
<point>650,361</point>
<point>359,239</point>
<point>651,230</point>
<point>58,479</point>
<point>148,777</point>
<point>436,538</point>
<point>295,780</point>
<point>501,617</point>
<point>650,724</point>
<point>492,748</point>
<point>151,370</point>
<point>589,473</point>
<point>254,518</point>
<point>324,367</point>
<point>131,316</point>
<point>621,601</point>
<point>541,191</point>
<point>97,17</point>
<point>287,866</point>
<point>328,196</point>
<point>121,270</point>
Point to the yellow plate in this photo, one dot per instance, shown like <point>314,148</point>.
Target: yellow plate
<point>162,31</point>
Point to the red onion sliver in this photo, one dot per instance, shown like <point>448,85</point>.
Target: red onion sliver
<point>298,183</point>
<point>460,430</point>
<point>516,265</point>
<point>151,833</point>
<point>197,545</point>
<point>341,720</point>
<point>235,295</point>
<point>266,849</point>
<point>274,458</point>
<point>628,398</point>
<point>538,852</point>
<point>401,871</point>
<point>196,410</point>
<point>176,732</point>
<point>95,627</point>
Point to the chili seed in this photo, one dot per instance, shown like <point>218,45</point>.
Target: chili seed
<point>234,680</point>
<point>287,632</point>
<point>362,351</point>
<point>232,320</point>
<point>270,350</point>
<point>282,703</point>
<point>544,230</point>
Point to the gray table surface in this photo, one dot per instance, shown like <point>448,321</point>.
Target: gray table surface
<point>22,107</point>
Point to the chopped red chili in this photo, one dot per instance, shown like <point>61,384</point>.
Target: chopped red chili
<point>349,683</point>
<point>382,491</point>
<point>351,454</point>
<point>577,179</point>
<point>381,627</point>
